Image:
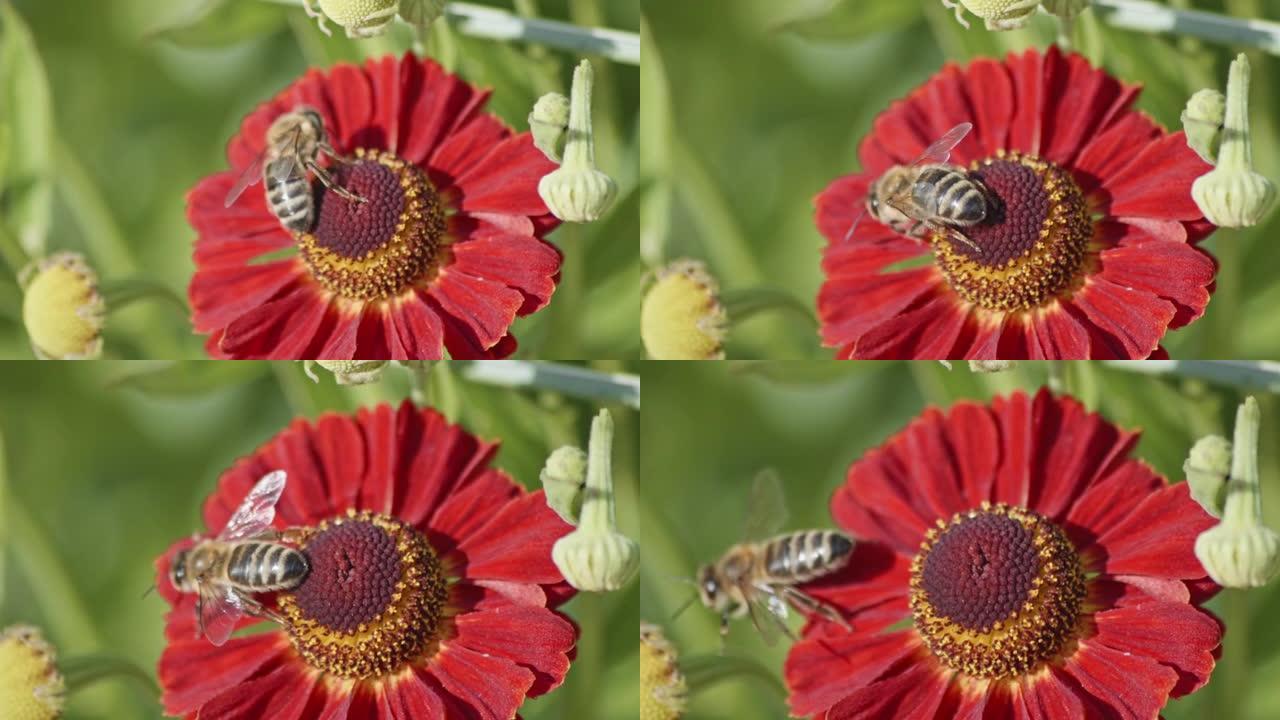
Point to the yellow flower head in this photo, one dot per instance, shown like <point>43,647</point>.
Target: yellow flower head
<point>62,309</point>
<point>31,687</point>
<point>681,317</point>
<point>663,692</point>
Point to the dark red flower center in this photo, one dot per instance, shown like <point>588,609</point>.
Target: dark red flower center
<point>1033,245</point>
<point>378,248</point>
<point>374,598</point>
<point>996,591</point>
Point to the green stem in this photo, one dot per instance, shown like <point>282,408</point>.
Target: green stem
<point>1244,500</point>
<point>4,527</point>
<point>12,252</point>
<point>101,233</point>
<point>701,672</point>
<point>444,44</point>
<point>81,672</point>
<point>1057,377</point>
<point>1150,17</point>
<point>294,387</point>
<point>567,379</point>
<point>444,392</point>
<point>118,294</point>
<point>597,499</point>
<point>1235,660</point>
<point>419,378</point>
<point>723,238</point>
<point>49,581</point>
<point>743,304</point>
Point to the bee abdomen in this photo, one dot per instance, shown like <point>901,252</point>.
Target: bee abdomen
<point>267,567</point>
<point>806,555</point>
<point>951,195</point>
<point>290,200</point>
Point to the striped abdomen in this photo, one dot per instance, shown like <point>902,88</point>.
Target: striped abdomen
<point>290,199</point>
<point>806,555</point>
<point>950,195</point>
<point>266,567</point>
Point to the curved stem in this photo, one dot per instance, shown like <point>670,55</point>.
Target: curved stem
<point>567,379</point>
<point>1150,17</point>
<point>81,672</point>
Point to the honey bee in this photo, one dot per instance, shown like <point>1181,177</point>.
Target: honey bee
<point>759,577</point>
<point>294,143</point>
<point>244,558</point>
<point>929,194</point>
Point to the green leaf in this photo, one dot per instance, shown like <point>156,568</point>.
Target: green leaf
<point>174,379</point>
<point>847,19</point>
<point>218,23</point>
<point>421,12</point>
<point>26,111</point>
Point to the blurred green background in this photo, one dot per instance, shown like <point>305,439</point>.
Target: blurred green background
<point>708,428</point>
<point>140,112</point>
<point>109,463</point>
<point>752,107</point>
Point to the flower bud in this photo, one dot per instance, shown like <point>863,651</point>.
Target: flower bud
<point>1239,556</point>
<point>547,122</point>
<point>681,317</point>
<point>1202,122</point>
<point>596,557</point>
<point>360,18</point>
<point>663,692</point>
<point>563,478</point>
<point>31,688</point>
<point>1207,468</point>
<point>348,372</point>
<point>991,366</point>
<point>421,12</point>
<point>996,14</point>
<point>577,191</point>
<point>1065,9</point>
<point>1232,194</point>
<point>62,309</point>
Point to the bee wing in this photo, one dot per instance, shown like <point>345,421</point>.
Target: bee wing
<point>768,614</point>
<point>250,176</point>
<point>940,151</point>
<point>258,509</point>
<point>219,609</point>
<point>766,506</point>
<point>289,161</point>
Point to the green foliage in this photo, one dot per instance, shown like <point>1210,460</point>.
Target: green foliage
<point>109,462</point>
<point>769,101</point>
<point>26,116</point>
<point>708,428</point>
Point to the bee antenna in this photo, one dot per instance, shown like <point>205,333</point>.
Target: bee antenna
<point>683,607</point>
<point>150,590</point>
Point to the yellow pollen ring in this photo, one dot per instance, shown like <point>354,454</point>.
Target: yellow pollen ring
<point>409,256</point>
<point>1051,268</point>
<point>1031,634</point>
<point>406,630</point>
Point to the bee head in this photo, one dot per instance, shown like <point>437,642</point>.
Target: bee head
<point>313,118</point>
<point>708,587</point>
<point>178,570</point>
<point>873,202</point>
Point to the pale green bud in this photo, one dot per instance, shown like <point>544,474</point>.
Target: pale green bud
<point>991,366</point>
<point>547,123</point>
<point>996,14</point>
<point>348,372</point>
<point>1239,556</point>
<point>360,18</point>
<point>577,191</point>
<point>596,557</point>
<point>1065,9</point>
<point>1232,194</point>
<point>563,478</point>
<point>1207,468</point>
<point>1202,122</point>
<point>421,12</point>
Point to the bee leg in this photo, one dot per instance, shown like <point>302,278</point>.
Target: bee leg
<point>957,235</point>
<point>255,608</point>
<point>959,12</point>
<point>724,630</point>
<point>807,603</point>
<point>325,178</point>
<point>327,149</point>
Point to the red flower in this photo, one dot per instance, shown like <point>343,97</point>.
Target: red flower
<point>1024,522</point>
<point>445,254</point>
<point>441,564</point>
<point>1091,252</point>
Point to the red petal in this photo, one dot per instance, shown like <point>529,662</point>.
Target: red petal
<point>1047,697</point>
<point>1158,537</point>
<point>524,263</point>
<point>874,575</point>
<point>1158,182</point>
<point>465,511</point>
<point>1175,271</point>
<point>946,90</point>
<point>492,687</point>
<point>220,667</point>
<point>1076,448</point>
<point>1114,150</point>
<point>419,329</point>
<point>994,110</point>
<point>313,90</point>
<point>851,305</point>
<point>534,638</point>
<point>353,106</point>
<point>915,694</point>
<point>1111,499</point>
<point>822,671</point>
<point>341,450</point>
<point>1080,100</point>
<point>849,510</point>
<point>1130,322</point>
<point>279,695</point>
<point>342,337</point>
<point>248,216</point>
<point>306,500</point>
<point>282,329</point>
<point>412,698</point>
<point>440,459</point>
<point>1029,73</point>
<point>220,296</point>
<point>881,475</point>
<point>986,341</point>
<point>1013,481</point>
<point>1147,630</point>
<point>466,148</point>
<point>516,542</point>
<point>1059,335</point>
<point>1133,686</point>
<point>386,431</point>
<point>975,437</point>
<point>483,309</point>
<point>506,180</point>
<point>386,79</point>
<point>930,457</point>
<point>435,103</point>
<point>927,332</point>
